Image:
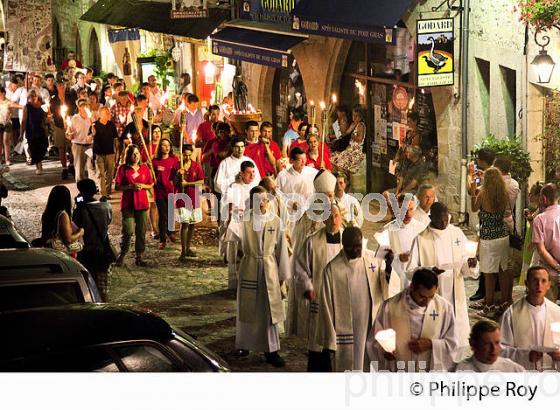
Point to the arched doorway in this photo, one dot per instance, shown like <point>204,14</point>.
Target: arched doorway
<point>94,53</point>
<point>288,94</point>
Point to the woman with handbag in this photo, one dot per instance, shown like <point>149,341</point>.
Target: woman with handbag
<point>94,217</point>
<point>134,179</point>
<point>491,201</point>
<point>57,230</point>
<point>349,160</point>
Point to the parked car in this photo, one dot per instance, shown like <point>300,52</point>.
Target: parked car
<point>43,277</point>
<point>100,338</point>
<point>10,236</point>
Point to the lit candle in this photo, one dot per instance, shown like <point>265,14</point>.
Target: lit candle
<point>63,110</point>
<point>322,105</point>
<point>129,137</point>
<point>68,121</point>
<point>88,112</point>
<point>251,109</point>
<point>471,248</point>
<point>46,107</point>
<point>93,86</point>
<point>387,339</point>
<point>183,107</point>
<point>333,98</point>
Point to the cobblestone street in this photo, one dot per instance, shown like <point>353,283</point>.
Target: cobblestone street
<point>192,297</point>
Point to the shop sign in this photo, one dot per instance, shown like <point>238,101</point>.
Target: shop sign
<point>435,52</point>
<point>267,11</point>
<point>189,9</point>
<point>380,35</point>
<point>400,98</point>
<point>252,54</point>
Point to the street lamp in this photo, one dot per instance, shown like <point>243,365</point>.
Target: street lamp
<point>543,62</point>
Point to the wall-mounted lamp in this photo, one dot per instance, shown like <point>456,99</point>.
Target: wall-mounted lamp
<point>543,62</point>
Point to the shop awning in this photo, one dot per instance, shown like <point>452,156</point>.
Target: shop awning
<point>364,20</point>
<point>154,16</point>
<point>254,46</point>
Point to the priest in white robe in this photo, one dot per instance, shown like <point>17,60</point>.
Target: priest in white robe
<point>424,324</point>
<point>317,251</point>
<point>444,246</point>
<point>401,233</point>
<point>351,208</point>
<point>229,167</point>
<point>298,310</point>
<point>486,347</point>
<point>234,203</point>
<point>526,325</point>
<point>261,273</point>
<point>426,195</point>
<point>349,300</point>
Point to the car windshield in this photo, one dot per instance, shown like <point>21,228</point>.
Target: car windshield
<point>25,296</point>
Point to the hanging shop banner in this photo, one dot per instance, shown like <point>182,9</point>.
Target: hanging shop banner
<point>435,52</point>
<point>29,36</point>
<point>189,9</point>
<point>250,54</point>
<point>380,35</point>
<point>267,11</point>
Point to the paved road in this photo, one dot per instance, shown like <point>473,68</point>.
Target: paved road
<point>192,296</point>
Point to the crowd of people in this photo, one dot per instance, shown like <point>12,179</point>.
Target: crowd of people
<point>309,275</point>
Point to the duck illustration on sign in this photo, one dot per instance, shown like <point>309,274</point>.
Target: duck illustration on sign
<point>435,53</point>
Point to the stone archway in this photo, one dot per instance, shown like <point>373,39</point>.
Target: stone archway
<point>94,60</point>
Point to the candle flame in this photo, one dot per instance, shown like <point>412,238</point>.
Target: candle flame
<point>251,109</point>
<point>322,105</point>
<point>63,110</point>
<point>312,103</point>
<point>183,107</point>
<point>88,112</point>
<point>333,98</point>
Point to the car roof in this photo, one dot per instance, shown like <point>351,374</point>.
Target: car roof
<point>33,258</point>
<point>38,330</point>
<point>8,228</point>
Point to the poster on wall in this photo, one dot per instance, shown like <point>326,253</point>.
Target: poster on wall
<point>435,52</point>
<point>189,9</point>
<point>29,36</point>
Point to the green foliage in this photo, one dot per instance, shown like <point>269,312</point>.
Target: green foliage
<point>541,14</point>
<point>164,65</point>
<point>510,147</point>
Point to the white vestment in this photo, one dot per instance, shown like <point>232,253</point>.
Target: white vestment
<point>411,321</point>
<point>400,241</point>
<point>351,210</point>
<point>228,170</point>
<point>237,195</point>
<point>309,265</point>
<point>526,327</point>
<point>259,305</point>
<point>349,299</point>
<point>421,216</point>
<point>446,249</point>
<point>289,181</point>
<point>500,365</point>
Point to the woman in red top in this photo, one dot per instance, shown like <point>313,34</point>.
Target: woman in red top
<point>189,181</point>
<point>302,139</point>
<point>134,179</point>
<point>315,152</point>
<point>165,166</point>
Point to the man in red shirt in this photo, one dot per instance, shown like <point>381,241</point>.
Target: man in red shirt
<point>262,149</point>
<point>205,137</point>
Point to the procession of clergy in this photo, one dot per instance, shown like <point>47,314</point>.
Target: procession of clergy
<point>400,308</point>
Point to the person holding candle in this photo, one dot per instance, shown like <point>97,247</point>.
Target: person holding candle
<point>526,325</point>
<point>424,325</point>
<point>33,127</point>
<point>318,153</point>
<point>80,133</point>
<point>5,125</point>
<point>59,110</point>
<point>261,148</point>
<point>189,181</point>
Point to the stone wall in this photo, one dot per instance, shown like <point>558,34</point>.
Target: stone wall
<point>67,13</point>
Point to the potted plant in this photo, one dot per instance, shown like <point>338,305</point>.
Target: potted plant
<point>540,14</point>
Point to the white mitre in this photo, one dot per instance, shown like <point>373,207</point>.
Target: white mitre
<point>324,182</point>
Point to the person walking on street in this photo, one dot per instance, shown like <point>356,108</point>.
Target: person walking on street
<point>33,128</point>
<point>105,140</point>
<point>94,217</point>
<point>134,179</point>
